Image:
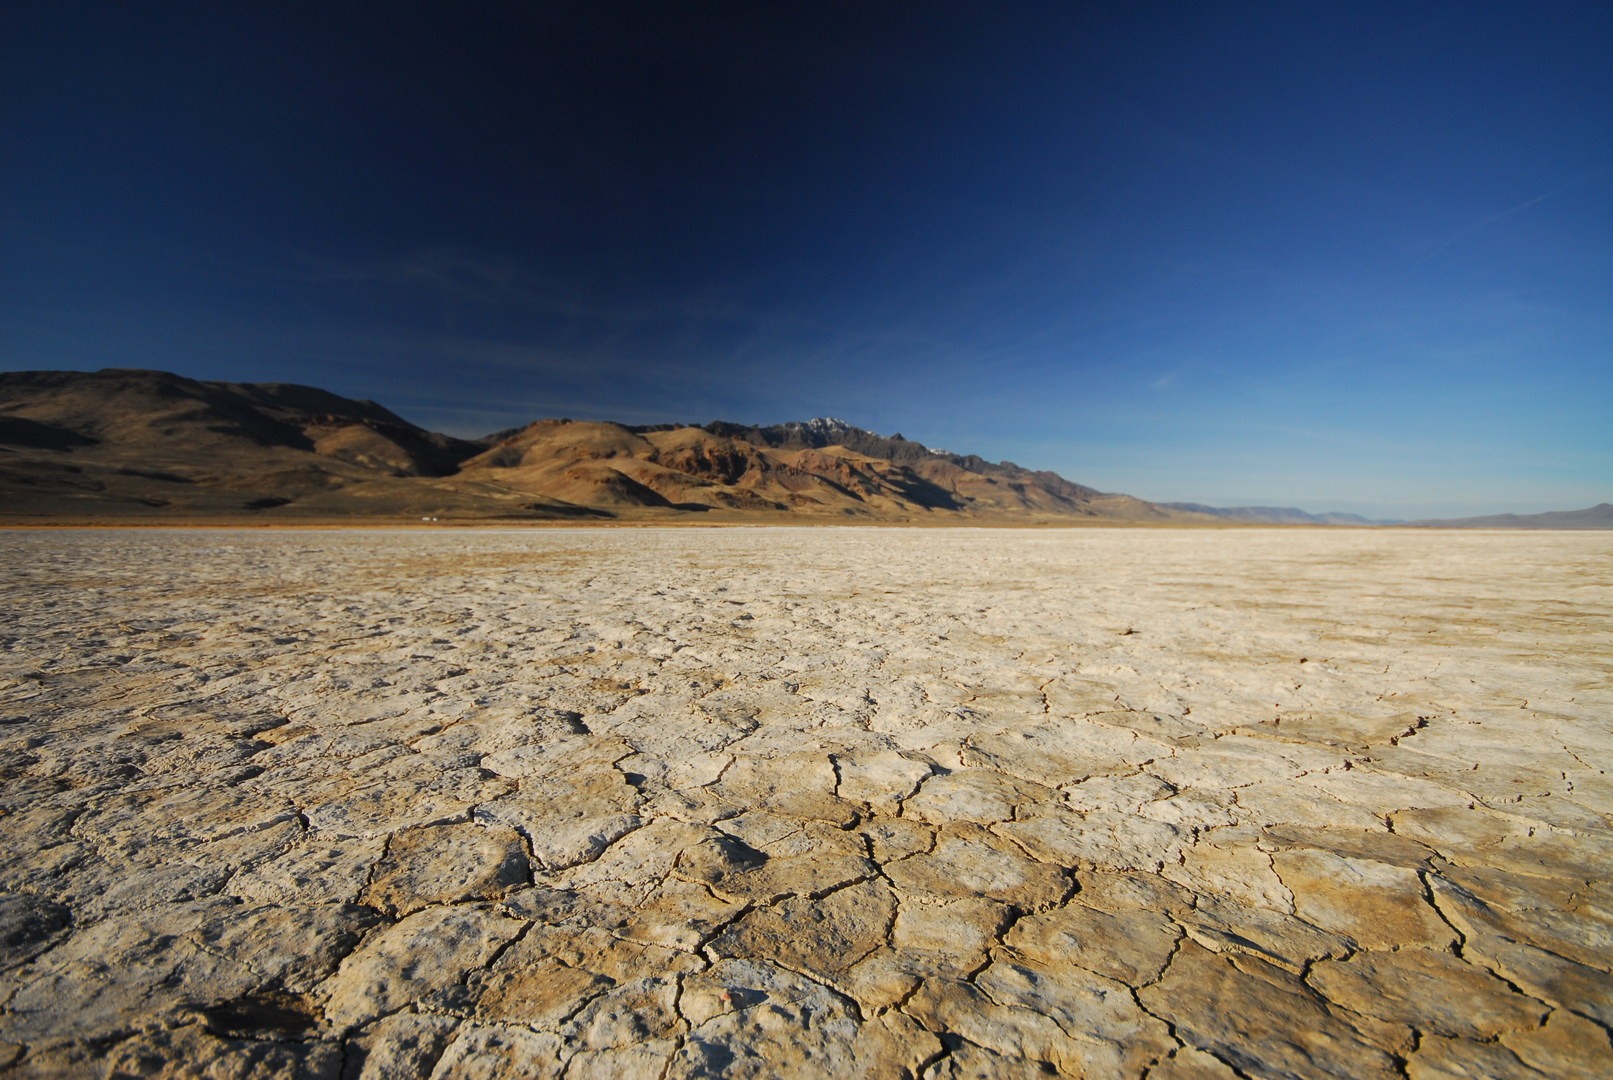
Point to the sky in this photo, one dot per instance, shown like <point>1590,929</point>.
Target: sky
<point>1345,257</point>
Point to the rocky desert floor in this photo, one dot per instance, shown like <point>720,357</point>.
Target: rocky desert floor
<point>806,802</point>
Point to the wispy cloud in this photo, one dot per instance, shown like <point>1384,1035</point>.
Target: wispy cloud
<point>1463,234</point>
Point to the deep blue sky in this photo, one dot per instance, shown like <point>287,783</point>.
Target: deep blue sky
<point>1343,256</point>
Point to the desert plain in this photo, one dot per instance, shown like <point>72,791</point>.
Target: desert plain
<point>695,802</point>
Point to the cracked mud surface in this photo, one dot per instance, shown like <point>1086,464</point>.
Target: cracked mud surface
<point>683,803</point>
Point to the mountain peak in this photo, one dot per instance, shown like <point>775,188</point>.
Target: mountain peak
<point>824,425</point>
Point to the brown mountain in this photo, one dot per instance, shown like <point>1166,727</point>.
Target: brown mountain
<point>147,444</point>
<point>128,444</point>
<point>827,470</point>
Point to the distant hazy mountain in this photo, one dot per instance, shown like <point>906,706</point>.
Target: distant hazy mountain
<point>1272,515</point>
<point>1599,516</point>
<point>150,445</point>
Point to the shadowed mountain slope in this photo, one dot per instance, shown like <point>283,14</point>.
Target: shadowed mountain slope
<point>155,412</point>
<point>147,444</point>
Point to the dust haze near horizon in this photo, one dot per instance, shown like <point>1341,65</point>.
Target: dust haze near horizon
<point>1352,259</point>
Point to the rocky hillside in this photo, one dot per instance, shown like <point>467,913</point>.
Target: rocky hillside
<point>126,443</point>
<point>820,468</point>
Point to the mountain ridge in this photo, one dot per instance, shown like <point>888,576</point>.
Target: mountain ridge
<point>137,444</point>
<point>125,442</point>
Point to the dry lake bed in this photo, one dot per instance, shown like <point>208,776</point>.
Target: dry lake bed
<point>806,802</point>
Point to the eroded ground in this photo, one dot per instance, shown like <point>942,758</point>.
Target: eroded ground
<point>750,802</point>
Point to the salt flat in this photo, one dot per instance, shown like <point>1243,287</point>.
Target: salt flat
<point>817,802</point>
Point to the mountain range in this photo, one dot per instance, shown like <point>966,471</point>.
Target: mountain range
<point>1599,516</point>
<point>121,443</point>
<point>1273,515</point>
<point>125,444</point>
